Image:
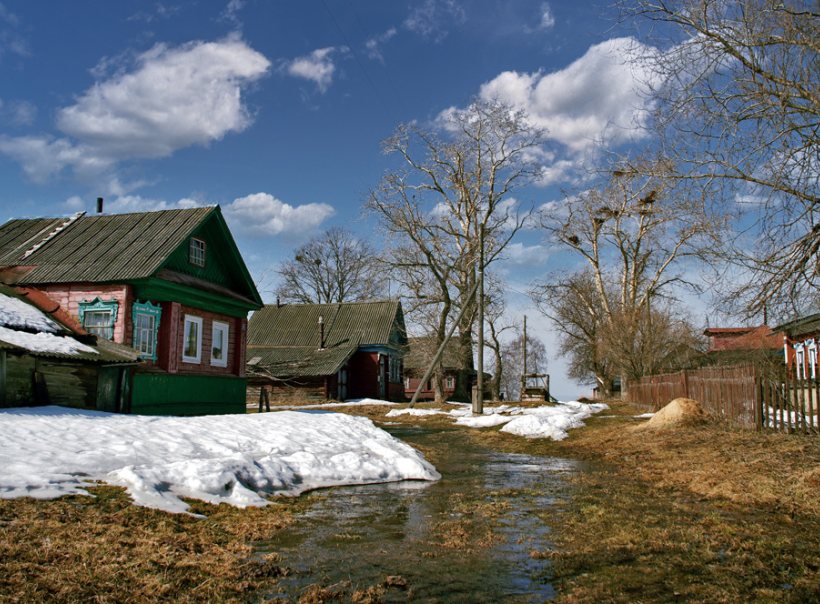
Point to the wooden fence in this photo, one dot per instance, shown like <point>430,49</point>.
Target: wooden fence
<point>744,395</point>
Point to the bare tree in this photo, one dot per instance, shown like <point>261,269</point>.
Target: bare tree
<point>512,353</point>
<point>454,188</point>
<point>738,98</point>
<point>334,267</point>
<point>496,326</point>
<point>633,234</point>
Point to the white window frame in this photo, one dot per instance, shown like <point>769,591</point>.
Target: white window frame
<point>800,361</point>
<point>407,383</point>
<point>192,320</point>
<point>450,382</point>
<point>224,329</point>
<point>197,251</point>
<point>812,348</point>
<point>144,340</point>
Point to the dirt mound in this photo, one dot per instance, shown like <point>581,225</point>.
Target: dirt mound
<point>679,412</point>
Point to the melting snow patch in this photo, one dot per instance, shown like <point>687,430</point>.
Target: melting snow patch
<point>47,452</point>
<point>548,421</point>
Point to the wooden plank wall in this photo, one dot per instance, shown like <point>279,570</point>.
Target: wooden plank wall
<point>743,395</point>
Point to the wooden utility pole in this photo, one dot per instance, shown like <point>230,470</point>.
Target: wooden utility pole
<point>524,354</point>
<point>478,399</point>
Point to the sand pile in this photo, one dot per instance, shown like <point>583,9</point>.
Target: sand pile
<point>679,412</point>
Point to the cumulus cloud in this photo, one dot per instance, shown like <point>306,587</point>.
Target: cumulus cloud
<point>373,45</point>
<point>176,97</point>
<point>431,18</point>
<point>172,98</point>
<point>262,214</point>
<point>547,20</point>
<point>600,98</point>
<point>317,66</point>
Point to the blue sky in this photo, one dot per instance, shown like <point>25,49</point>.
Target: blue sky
<point>276,110</point>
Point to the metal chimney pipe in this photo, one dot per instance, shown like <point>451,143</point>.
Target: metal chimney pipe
<point>99,205</point>
<point>321,332</point>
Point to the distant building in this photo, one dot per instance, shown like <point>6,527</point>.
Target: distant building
<point>47,358</point>
<point>421,351</point>
<point>170,284</point>
<point>800,342</point>
<point>327,351</point>
<point>732,345</point>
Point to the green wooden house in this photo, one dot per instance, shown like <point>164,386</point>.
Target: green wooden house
<point>170,284</point>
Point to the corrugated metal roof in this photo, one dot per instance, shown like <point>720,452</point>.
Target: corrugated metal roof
<point>421,351</point>
<point>96,248</point>
<point>365,323</point>
<point>298,361</point>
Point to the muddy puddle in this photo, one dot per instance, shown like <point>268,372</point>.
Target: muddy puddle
<point>465,538</point>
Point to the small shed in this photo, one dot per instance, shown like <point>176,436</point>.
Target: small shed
<point>47,358</point>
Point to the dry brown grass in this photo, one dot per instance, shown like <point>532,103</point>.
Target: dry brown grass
<point>105,549</point>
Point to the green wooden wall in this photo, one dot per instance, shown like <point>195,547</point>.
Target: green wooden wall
<point>169,394</point>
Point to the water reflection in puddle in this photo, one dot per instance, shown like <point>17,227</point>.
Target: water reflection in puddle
<point>362,534</point>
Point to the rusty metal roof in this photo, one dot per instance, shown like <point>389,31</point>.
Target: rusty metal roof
<point>298,361</point>
<point>96,248</point>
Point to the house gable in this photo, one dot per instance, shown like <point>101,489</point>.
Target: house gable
<point>222,265</point>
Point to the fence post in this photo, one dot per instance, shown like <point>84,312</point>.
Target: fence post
<point>685,379</point>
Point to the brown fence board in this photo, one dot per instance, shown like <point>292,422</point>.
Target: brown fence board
<point>744,395</point>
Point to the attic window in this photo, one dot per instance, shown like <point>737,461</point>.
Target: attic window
<point>196,252</point>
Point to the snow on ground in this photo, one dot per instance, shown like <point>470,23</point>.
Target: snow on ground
<point>548,421</point>
<point>793,419</point>
<point>46,452</point>
<point>360,402</point>
<point>644,416</point>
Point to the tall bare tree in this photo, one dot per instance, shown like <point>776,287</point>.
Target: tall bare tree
<point>633,235</point>
<point>333,267</point>
<point>738,97</point>
<point>454,186</point>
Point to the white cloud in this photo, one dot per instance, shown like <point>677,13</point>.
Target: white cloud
<point>176,97</point>
<point>318,66</point>
<point>262,214</point>
<point>600,98</point>
<point>171,99</point>
<point>547,19</point>
<point>430,19</point>
<point>374,45</point>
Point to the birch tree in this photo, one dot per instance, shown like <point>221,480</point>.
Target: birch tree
<point>737,91</point>
<point>454,185</point>
<point>634,236</point>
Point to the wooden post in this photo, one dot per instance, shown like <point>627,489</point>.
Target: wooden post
<point>261,397</point>
<point>267,400</point>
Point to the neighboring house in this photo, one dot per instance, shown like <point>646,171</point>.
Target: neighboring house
<point>731,345</point>
<point>327,351</point>
<point>47,358</point>
<point>171,284</point>
<point>421,351</point>
<point>800,342</point>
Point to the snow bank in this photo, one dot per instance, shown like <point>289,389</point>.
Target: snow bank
<point>548,421</point>
<point>47,452</point>
<point>44,342</point>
